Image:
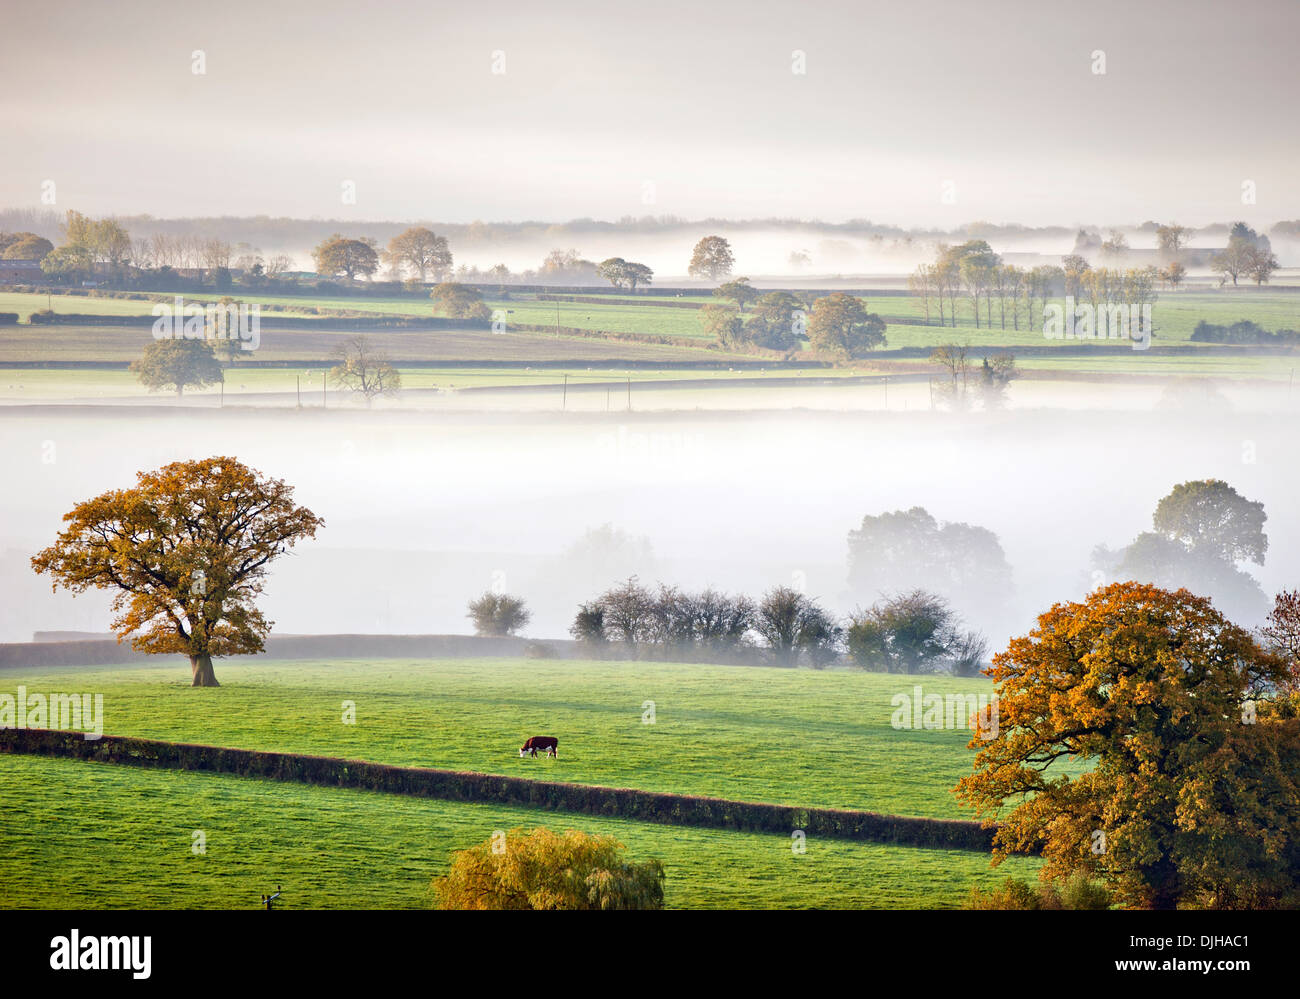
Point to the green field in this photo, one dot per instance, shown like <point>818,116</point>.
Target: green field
<point>89,835</point>
<point>798,737</point>
<point>1175,314</point>
<point>74,343</point>
<point>598,358</point>
<point>81,833</point>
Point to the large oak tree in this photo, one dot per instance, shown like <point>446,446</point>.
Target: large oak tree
<point>186,550</point>
<point>1139,737</point>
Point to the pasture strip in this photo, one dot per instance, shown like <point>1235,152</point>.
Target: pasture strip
<point>451,785</point>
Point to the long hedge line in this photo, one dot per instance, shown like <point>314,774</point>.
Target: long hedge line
<point>655,338</point>
<point>451,785</point>
<point>597,300</point>
<point>275,320</point>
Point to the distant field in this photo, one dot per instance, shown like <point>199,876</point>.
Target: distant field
<point>1175,315</point>
<point>118,343</point>
<point>91,383</point>
<point>1229,365</point>
<point>797,737</point>
<point>88,835</point>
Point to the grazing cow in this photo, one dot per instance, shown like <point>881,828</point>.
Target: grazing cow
<point>545,742</point>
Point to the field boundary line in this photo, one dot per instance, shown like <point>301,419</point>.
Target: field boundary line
<point>451,785</point>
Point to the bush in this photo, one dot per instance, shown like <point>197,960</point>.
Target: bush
<point>916,632</point>
<point>1077,892</point>
<point>41,316</point>
<point>543,870</point>
<point>460,301</point>
<point>8,318</point>
<point>589,624</point>
<point>1012,894</point>
<point>498,614</point>
<point>1241,332</point>
<point>667,623</point>
<point>540,650</point>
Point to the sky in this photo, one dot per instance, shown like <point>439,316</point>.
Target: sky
<point>917,113</point>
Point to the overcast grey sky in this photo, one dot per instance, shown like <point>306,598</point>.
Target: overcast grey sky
<point>688,109</point>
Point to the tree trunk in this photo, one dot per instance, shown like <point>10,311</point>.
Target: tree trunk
<point>201,666</point>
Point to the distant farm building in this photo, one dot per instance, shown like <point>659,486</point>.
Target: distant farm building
<point>20,271</point>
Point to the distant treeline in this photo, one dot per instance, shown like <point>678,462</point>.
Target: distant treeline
<point>268,230</point>
<point>911,632</point>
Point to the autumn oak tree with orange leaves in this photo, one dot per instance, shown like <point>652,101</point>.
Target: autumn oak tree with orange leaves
<point>1144,739</point>
<point>186,550</point>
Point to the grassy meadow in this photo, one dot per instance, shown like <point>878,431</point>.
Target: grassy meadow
<point>97,836</point>
<point>796,737</point>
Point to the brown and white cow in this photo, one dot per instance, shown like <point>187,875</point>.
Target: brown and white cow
<point>548,743</point>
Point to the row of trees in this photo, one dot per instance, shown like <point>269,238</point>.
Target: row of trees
<point>103,248</point>
<point>962,385</point>
<point>914,632</point>
<point>837,325</point>
<point>1248,254</point>
<point>417,253</point>
<point>973,273</point>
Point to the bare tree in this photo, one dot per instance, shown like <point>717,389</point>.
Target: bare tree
<point>364,370</point>
<point>792,623</point>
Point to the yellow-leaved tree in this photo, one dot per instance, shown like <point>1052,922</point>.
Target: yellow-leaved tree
<point>545,870</point>
<point>1142,738</point>
<point>186,550</point>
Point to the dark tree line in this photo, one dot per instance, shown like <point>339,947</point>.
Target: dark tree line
<point>916,632</point>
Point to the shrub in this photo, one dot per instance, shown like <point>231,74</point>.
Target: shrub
<point>1012,894</point>
<point>792,623</point>
<point>916,632</point>
<point>460,301</point>
<point>1076,892</point>
<point>544,870</point>
<point>1244,331</point>
<point>498,614</point>
<point>589,624</point>
<point>667,622</point>
<point>8,318</point>
<point>540,650</point>
<point>1079,892</point>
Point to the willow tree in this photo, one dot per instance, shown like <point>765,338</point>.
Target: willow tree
<point>186,550</point>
